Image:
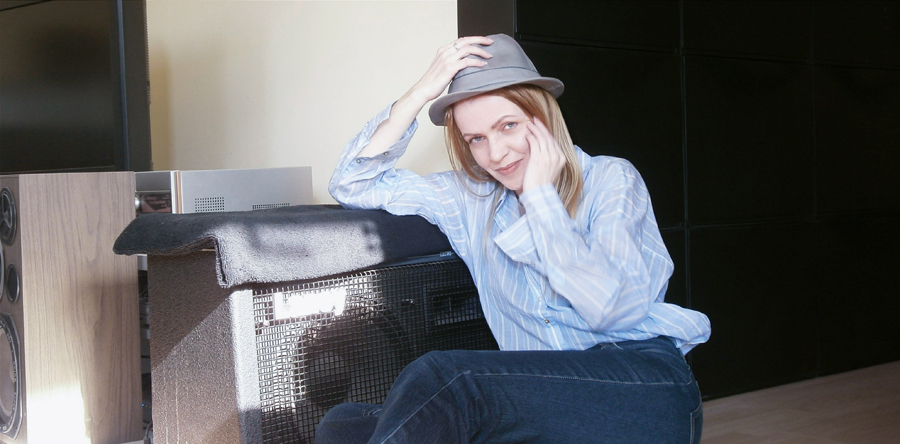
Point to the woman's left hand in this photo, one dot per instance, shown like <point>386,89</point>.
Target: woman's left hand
<point>546,160</point>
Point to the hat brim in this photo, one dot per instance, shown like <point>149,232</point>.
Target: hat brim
<point>438,109</point>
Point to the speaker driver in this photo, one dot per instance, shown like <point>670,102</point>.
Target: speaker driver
<point>2,273</point>
<point>7,217</point>
<point>10,398</point>
<point>12,283</point>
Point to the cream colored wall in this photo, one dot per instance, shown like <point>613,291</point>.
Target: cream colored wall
<point>258,84</point>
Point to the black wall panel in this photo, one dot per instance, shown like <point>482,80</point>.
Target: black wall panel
<point>631,111</point>
<point>677,291</point>
<point>757,284</point>
<point>857,139</point>
<point>857,302</point>
<point>857,32</point>
<point>767,29</point>
<point>749,140</point>
<point>651,24</point>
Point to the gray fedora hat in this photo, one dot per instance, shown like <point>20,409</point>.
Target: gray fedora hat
<point>508,66</point>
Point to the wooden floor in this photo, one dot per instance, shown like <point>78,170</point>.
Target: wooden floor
<point>859,407</point>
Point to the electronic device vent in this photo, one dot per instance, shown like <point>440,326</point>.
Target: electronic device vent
<point>209,204</point>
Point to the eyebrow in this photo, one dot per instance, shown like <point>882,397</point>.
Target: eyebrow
<point>502,118</point>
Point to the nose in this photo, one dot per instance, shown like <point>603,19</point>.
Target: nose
<point>498,150</point>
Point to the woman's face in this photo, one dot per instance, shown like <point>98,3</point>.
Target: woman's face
<point>495,130</point>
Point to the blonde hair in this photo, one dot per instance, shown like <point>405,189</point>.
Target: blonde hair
<point>535,102</point>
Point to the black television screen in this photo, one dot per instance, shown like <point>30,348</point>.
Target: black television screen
<point>73,86</point>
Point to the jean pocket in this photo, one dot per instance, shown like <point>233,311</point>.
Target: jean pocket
<point>696,424</point>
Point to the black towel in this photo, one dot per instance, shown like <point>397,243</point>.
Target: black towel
<point>285,244</point>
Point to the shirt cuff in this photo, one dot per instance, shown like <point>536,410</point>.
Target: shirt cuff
<point>543,205</point>
<point>395,150</point>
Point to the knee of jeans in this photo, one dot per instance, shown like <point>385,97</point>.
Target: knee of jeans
<point>436,364</point>
<point>350,410</point>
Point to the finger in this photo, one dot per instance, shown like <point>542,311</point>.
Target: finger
<point>473,40</point>
<point>465,46</point>
<point>549,147</point>
<point>538,152</point>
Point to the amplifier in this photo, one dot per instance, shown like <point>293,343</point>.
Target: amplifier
<point>264,363</point>
<point>204,191</point>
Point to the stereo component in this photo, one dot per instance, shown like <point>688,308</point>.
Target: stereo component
<point>208,191</point>
<point>69,362</point>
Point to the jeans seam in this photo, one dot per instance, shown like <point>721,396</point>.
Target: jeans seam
<point>694,422</point>
<point>573,378</point>
<point>410,416</point>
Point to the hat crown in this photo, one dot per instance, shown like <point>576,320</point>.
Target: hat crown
<point>508,63</point>
<point>507,66</point>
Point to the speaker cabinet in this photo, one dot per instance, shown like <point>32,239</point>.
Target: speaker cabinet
<point>69,357</point>
<point>263,363</point>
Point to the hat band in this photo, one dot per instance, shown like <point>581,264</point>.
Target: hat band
<point>483,79</point>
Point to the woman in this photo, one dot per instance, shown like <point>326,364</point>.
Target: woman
<point>567,258</point>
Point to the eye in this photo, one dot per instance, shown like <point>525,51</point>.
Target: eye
<point>476,139</point>
<point>509,125</point>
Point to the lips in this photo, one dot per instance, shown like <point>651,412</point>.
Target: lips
<point>509,169</point>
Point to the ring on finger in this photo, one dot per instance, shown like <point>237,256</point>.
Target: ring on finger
<point>456,46</point>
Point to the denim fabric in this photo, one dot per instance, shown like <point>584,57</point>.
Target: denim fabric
<point>626,392</point>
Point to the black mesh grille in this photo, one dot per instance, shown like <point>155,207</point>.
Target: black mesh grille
<point>312,356</point>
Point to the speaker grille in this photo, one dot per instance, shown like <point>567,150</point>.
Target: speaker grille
<point>8,217</point>
<point>345,339</point>
<point>10,378</point>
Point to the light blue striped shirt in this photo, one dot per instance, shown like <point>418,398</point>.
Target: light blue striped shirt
<point>546,281</point>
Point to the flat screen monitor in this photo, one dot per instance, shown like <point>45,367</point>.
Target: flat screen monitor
<point>74,86</point>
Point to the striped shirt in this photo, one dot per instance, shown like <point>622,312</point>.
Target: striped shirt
<point>546,281</point>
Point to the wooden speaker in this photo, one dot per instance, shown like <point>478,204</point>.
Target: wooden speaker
<point>70,356</point>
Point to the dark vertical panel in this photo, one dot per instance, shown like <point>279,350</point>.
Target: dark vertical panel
<point>750,28</point>
<point>625,104</point>
<point>59,107</point>
<point>857,32</point>
<point>677,291</point>
<point>749,140</point>
<point>757,285</point>
<point>859,304</point>
<point>646,23</point>
<point>857,135</point>
<point>485,17</point>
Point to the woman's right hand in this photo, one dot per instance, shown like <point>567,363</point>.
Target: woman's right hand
<point>449,60</point>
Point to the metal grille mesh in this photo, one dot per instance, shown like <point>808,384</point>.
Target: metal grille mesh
<point>347,338</point>
<point>209,204</point>
<point>267,206</point>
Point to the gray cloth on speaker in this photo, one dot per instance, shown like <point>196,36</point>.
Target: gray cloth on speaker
<point>285,244</point>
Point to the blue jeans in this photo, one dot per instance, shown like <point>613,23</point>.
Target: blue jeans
<point>626,392</point>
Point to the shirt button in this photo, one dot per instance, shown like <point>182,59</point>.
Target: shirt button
<point>358,160</point>
<point>546,321</point>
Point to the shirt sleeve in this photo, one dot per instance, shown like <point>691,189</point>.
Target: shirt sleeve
<point>602,269</point>
<point>374,183</point>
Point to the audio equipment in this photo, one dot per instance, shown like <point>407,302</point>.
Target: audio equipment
<point>69,362</point>
<point>206,191</point>
<point>262,363</point>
